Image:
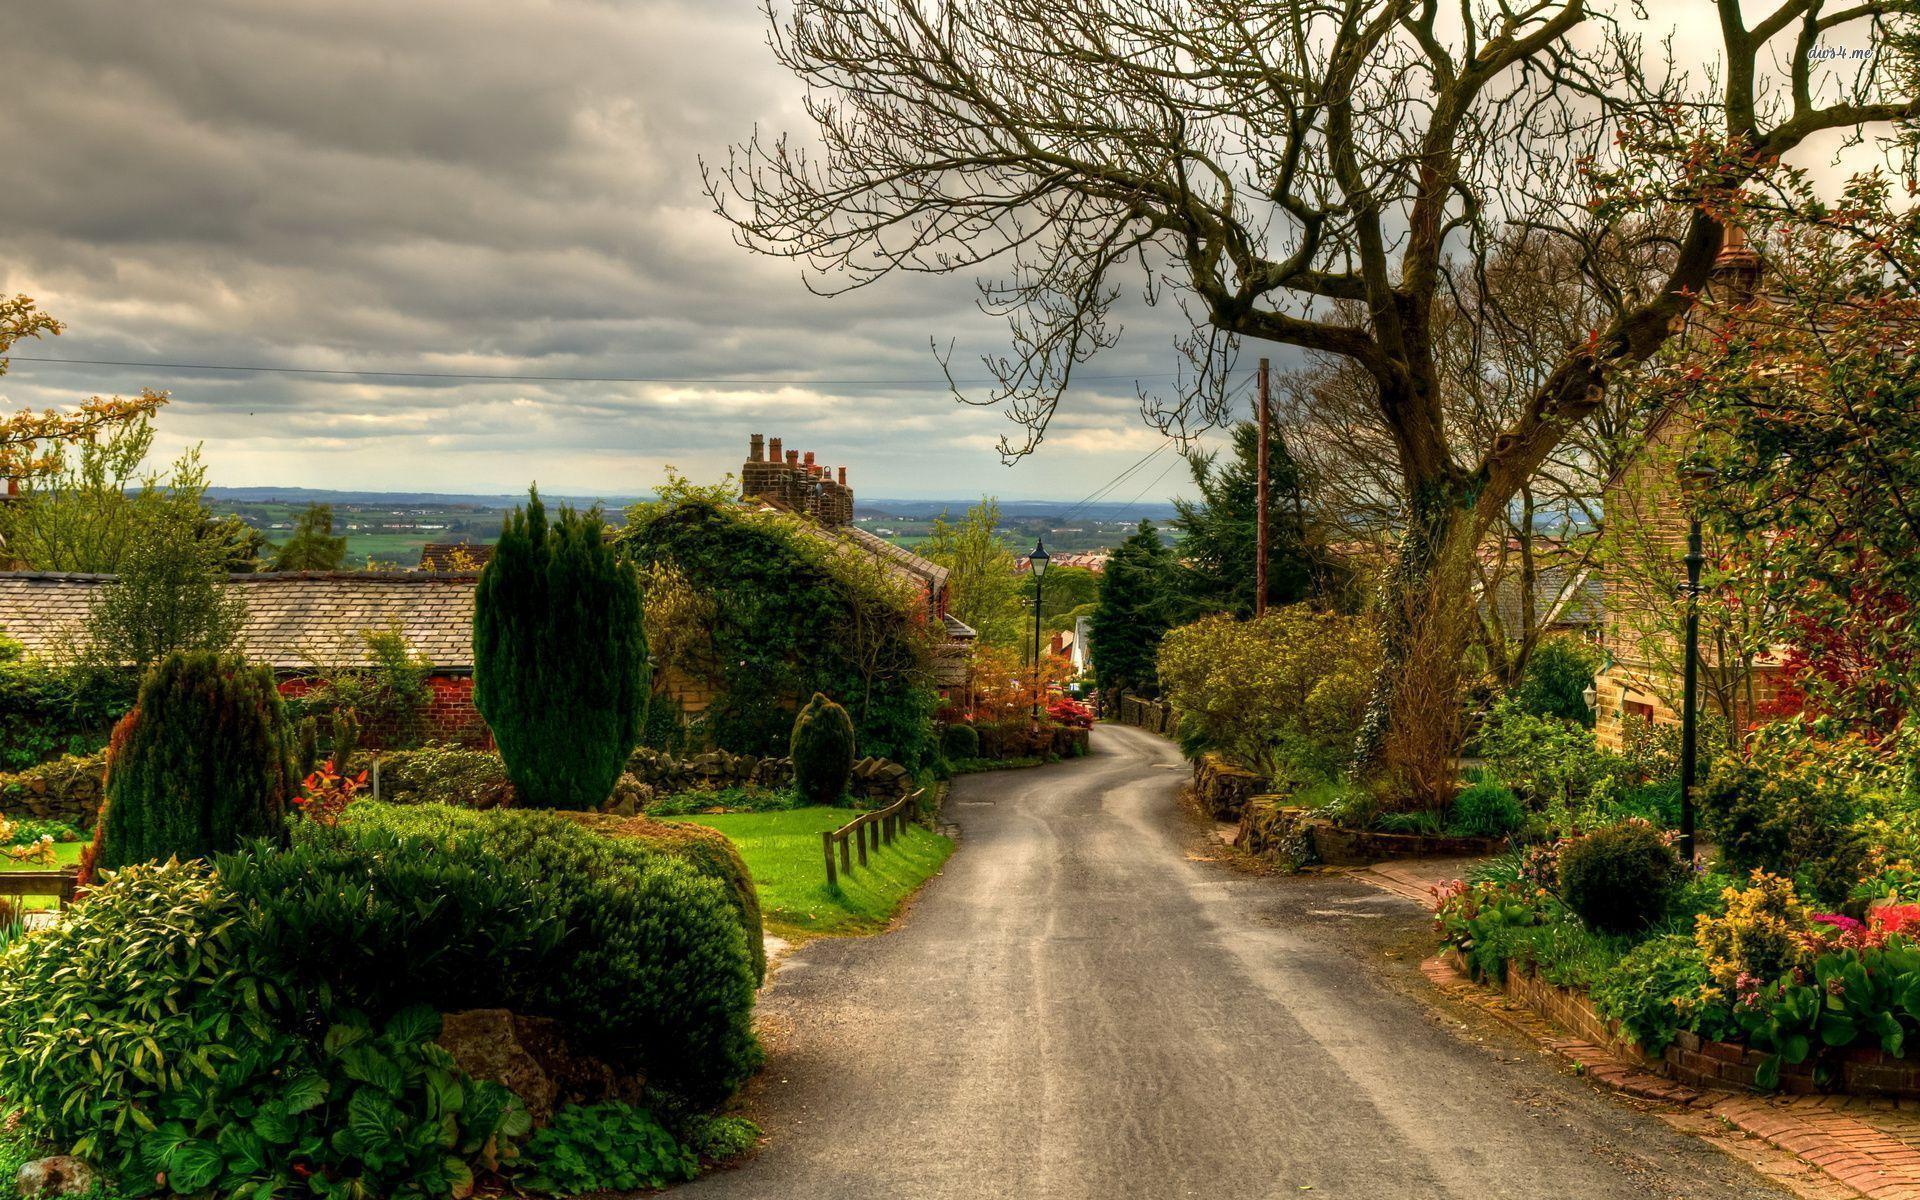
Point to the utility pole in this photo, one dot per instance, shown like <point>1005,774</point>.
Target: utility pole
<point>1260,517</point>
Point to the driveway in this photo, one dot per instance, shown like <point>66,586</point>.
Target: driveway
<point>1083,1006</point>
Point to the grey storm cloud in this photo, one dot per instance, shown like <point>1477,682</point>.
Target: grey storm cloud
<point>506,186</point>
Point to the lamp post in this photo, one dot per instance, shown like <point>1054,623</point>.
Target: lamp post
<point>1695,482</point>
<point>1038,561</point>
<point>1690,690</point>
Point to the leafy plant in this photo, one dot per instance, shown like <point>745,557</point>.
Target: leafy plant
<point>822,750</point>
<point>325,794</point>
<point>1557,675</point>
<point>1660,987</point>
<point>960,741</point>
<point>1620,878</point>
<point>200,765</point>
<point>1791,813</point>
<point>50,709</point>
<point>604,1147</point>
<point>560,656</point>
<point>1486,809</point>
<point>718,1139</point>
<point>1426,822</point>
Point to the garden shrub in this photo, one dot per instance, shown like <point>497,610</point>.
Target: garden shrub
<point>609,1147</point>
<point>151,1034</point>
<point>1486,809</point>
<point>1288,686</point>
<point>202,763</point>
<point>960,742</point>
<point>641,952</point>
<point>1552,764</point>
<point>1759,937</point>
<point>717,1139</point>
<point>442,774</point>
<point>559,656</point>
<point>389,697</point>
<point>48,709</point>
<point>1790,813</point>
<point>1620,878</point>
<point>1658,988</point>
<point>1557,675</point>
<point>822,751</point>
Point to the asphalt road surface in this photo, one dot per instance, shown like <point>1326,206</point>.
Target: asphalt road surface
<point>1083,1006</point>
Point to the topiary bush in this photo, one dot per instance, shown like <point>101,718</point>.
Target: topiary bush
<point>559,656</point>
<point>960,742</point>
<point>151,1033</point>
<point>1621,878</point>
<point>202,763</point>
<point>440,774</point>
<point>641,954</point>
<point>822,750</point>
<point>1486,809</point>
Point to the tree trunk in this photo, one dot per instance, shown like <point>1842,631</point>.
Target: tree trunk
<point>1410,736</point>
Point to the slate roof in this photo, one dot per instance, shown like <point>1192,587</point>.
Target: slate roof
<point>294,620</point>
<point>1583,591</point>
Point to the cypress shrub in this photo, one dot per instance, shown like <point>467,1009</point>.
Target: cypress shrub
<point>559,657</point>
<point>202,763</point>
<point>822,751</point>
<point>1620,878</point>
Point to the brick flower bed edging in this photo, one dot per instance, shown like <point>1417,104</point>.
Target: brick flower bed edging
<point>1859,1142</point>
<point>1697,1062</point>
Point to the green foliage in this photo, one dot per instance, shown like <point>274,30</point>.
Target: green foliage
<point>1486,809</point>
<point>718,1139</point>
<point>1557,675</point>
<point>203,763</point>
<point>747,798</point>
<point>643,954</point>
<point>560,656</point>
<point>439,774</point>
<point>170,595</point>
<point>1553,765</point>
<point>983,587</point>
<point>1218,539</point>
<point>50,709</point>
<point>390,694</point>
<point>1281,694</point>
<point>312,546</point>
<point>604,1148</point>
<point>1620,878</point>
<point>1659,988</point>
<point>1136,608</point>
<point>150,1033</point>
<point>1791,814</point>
<point>960,742</point>
<point>790,611</point>
<point>822,750</point>
<point>1424,822</point>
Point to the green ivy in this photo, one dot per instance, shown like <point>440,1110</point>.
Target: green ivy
<point>605,1148</point>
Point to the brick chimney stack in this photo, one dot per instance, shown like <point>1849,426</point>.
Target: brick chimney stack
<point>756,448</point>
<point>843,477</point>
<point>1737,268</point>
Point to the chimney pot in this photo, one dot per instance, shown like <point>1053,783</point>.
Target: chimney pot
<point>843,477</point>
<point>756,448</point>
<point>773,449</point>
<point>809,459</point>
<point>793,458</point>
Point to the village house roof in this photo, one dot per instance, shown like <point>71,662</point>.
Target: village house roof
<point>1562,599</point>
<point>295,620</point>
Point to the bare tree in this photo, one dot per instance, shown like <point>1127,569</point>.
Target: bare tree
<point>1305,172</point>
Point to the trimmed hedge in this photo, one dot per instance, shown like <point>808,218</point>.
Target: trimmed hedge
<point>1620,878</point>
<point>822,751</point>
<point>642,953</point>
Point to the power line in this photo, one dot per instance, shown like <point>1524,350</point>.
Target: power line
<point>509,378</point>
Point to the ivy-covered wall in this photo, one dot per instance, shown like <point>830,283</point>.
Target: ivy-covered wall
<point>781,616</point>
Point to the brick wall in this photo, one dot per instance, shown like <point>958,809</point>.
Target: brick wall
<point>450,715</point>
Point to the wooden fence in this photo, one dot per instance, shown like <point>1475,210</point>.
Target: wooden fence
<point>58,884</point>
<point>869,830</point>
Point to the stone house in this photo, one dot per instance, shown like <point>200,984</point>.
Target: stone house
<point>1645,546</point>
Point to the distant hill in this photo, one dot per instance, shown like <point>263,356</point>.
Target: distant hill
<point>1010,510</point>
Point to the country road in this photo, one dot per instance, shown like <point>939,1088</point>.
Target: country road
<point>1082,1007</point>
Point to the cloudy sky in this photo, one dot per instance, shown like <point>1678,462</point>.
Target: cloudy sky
<point>472,186</point>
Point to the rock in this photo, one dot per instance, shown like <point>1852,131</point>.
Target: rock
<point>530,1057</point>
<point>61,1175</point>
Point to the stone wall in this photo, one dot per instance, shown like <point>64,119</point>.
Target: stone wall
<point>1222,789</point>
<point>67,789</point>
<point>1150,715</point>
<point>875,780</point>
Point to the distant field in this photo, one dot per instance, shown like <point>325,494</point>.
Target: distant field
<point>377,537</point>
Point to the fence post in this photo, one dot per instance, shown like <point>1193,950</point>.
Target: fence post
<point>376,777</point>
<point>860,832</point>
<point>826,844</point>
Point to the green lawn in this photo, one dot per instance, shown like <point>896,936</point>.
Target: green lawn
<point>782,850</point>
<point>68,853</point>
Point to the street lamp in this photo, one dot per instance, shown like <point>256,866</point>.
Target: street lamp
<point>1695,481</point>
<point>1038,561</point>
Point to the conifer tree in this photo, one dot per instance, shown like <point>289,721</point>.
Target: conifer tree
<point>822,751</point>
<point>559,656</point>
<point>1135,610</point>
<point>1219,536</point>
<point>202,764</point>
